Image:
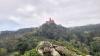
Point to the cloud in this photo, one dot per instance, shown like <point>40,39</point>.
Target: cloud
<point>26,8</point>
<point>15,19</point>
<point>28,13</point>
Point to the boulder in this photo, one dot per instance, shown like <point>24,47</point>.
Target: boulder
<point>45,48</point>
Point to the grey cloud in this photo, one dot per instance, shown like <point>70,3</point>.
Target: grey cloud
<point>65,12</point>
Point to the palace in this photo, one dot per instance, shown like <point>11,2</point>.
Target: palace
<point>50,21</point>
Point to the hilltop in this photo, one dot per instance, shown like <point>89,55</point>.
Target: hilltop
<point>83,40</point>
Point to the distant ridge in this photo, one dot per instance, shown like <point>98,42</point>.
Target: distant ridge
<point>50,23</point>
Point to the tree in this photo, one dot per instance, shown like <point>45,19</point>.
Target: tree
<point>95,46</point>
<point>22,47</point>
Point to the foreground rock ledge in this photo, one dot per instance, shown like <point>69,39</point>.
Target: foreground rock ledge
<point>45,48</point>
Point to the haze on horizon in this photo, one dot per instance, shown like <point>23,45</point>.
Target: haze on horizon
<point>15,14</point>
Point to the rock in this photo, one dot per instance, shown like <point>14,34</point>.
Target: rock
<point>45,48</point>
<point>61,50</point>
<point>55,53</point>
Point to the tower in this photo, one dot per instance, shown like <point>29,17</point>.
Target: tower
<point>50,21</point>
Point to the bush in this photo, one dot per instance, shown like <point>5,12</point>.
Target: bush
<point>32,52</point>
<point>14,54</point>
<point>3,51</point>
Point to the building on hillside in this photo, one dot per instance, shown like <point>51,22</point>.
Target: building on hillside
<point>50,21</point>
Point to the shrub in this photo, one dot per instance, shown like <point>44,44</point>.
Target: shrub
<point>3,51</point>
<point>32,52</point>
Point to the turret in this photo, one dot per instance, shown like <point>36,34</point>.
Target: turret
<point>50,21</point>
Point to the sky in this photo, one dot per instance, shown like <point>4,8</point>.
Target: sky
<point>16,14</point>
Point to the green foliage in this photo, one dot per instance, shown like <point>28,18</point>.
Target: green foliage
<point>95,46</point>
<point>97,54</point>
<point>32,52</point>
<point>53,31</point>
<point>28,42</point>
<point>79,40</point>
<point>14,54</point>
<point>22,47</point>
<point>71,48</point>
<point>3,51</point>
<point>80,46</point>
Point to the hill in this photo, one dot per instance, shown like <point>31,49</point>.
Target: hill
<point>81,40</point>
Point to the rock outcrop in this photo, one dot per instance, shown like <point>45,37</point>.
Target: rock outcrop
<point>45,48</point>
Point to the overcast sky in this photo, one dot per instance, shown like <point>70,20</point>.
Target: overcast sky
<point>15,14</point>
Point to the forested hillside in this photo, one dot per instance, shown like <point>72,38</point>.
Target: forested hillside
<point>83,40</point>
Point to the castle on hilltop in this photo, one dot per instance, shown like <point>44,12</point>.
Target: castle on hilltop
<point>50,21</point>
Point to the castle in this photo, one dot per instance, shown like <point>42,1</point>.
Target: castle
<point>50,21</point>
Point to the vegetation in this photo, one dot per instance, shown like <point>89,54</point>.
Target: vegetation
<point>83,40</point>
<point>32,52</point>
